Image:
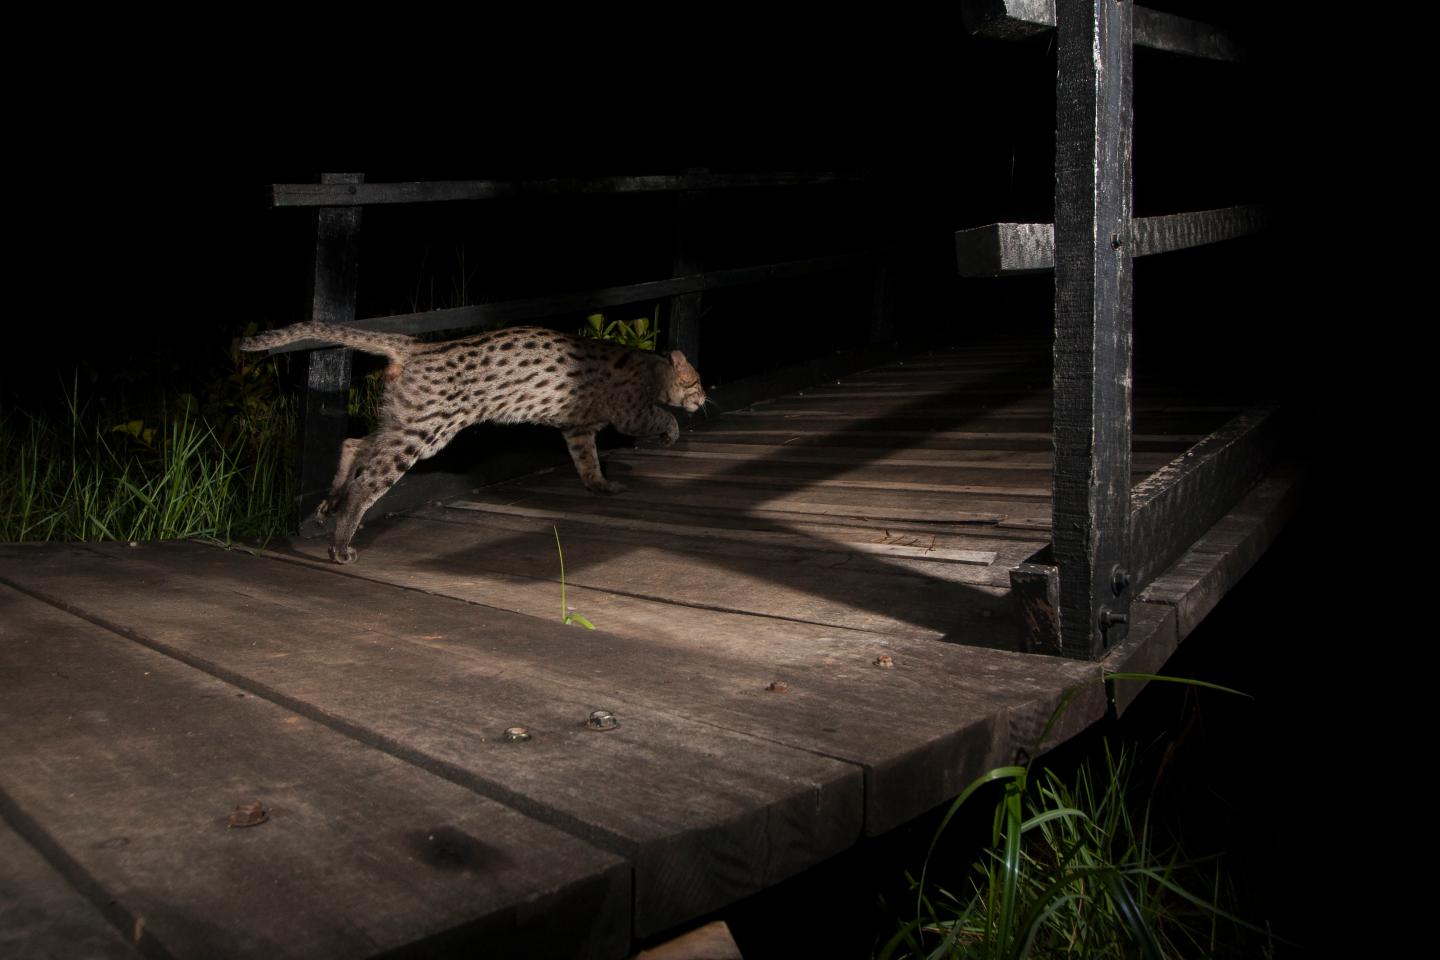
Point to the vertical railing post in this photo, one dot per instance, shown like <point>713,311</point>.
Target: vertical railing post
<point>327,382</point>
<point>684,314</point>
<point>1091,519</point>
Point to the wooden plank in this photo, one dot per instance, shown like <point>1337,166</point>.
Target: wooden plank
<point>1007,249</point>
<point>820,500</point>
<point>910,547</point>
<point>1175,505</point>
<point>327,386</point>
<point>485,315</point>
<point>1201,577</point>
<point>126,764</point>
<point>984,483</point>
<point>42,917</point>
<point>822,520</point>
<point>977,458</point>
<point>446,191</point>
<point>689,260</point>
<point>798,561</point>
<point>1091,502</point>
<point>704,816</point>
<point>927,439</point>
<point>923,729</point>
<point>1017,19</point>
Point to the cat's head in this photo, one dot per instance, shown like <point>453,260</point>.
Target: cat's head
<point>684,388</point>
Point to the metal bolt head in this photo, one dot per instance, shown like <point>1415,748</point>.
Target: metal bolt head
<point>1119,579</point>
<point>1108,618</point>
<point>602,720</point>
<point>517,734</point>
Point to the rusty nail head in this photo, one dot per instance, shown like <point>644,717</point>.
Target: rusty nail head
<point>249,814</point>
<point>778,686</point>
<point>885,661</point>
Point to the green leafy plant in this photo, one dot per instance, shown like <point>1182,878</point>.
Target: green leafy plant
<point>1072,869</point>
<point>566,616</point>
<point>642,332</point>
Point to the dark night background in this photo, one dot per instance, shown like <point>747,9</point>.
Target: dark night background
<point>143,245</point>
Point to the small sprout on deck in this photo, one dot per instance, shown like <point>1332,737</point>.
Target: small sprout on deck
<point>602,720</point>
<point>566,616</point>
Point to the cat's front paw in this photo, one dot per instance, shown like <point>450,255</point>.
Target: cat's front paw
<point>345,554</point>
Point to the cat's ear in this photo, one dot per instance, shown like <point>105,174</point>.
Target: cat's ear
<point>678,361</point>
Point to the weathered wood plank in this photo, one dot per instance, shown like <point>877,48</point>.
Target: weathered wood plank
<point>1006,249</point>
<point>836,455</point>
<point>128,763</point>
<point>1091,501</point>
<point>910,547</point>
<point>703,815</point>
<point>1201,577</point>
<point>711,664</point>
<point>42,917</point>
<point>930,440</point>
<point>327,385</point>
<point>873,503</point>
<point>483,315</point>
<point>445,191</point>
<point>683,332</point>
<point>809,567</point>
<point>1017,19</point>
<point>1179,502</point>
<point>825,523</point>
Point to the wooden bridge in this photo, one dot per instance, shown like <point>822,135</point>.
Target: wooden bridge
<point>816,617</point>
<point>767,597</point>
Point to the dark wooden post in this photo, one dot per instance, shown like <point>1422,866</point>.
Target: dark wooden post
<point>882,300</point>
<point>327,384</point>
<point>1091,520</point>
<point>684,333</point>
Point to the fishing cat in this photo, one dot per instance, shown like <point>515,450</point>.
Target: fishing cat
<point>516,375</point>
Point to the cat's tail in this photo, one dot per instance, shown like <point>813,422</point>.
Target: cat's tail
<point>396,346</point>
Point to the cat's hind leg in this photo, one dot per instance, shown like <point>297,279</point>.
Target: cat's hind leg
<point>349,451</point>
<point>581,441</point>
<point>387,454</point>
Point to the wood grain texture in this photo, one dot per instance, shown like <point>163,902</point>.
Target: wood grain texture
<point>447,191</point>
<point>1007,249</point>
<point>327,383</point>
<point>1092,419</point>
<point>703,816</point>
<point>1017,19</point>
<point>129,762</point>
<point>44,917</point>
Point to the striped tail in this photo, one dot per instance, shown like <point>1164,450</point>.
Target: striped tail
<point>396,346</point>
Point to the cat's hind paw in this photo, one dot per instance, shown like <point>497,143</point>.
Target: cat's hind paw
<point>607,487</point>
<point>345,554</point>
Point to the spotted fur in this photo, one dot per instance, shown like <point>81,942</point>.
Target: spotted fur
<point>517,375</point>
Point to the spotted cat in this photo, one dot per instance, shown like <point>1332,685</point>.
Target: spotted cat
<point>517,375</point>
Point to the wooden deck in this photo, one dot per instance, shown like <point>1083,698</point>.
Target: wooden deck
<point>746,590</point>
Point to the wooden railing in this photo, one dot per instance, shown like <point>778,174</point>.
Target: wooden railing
<point>340,198</point>
<point>1107,539</point>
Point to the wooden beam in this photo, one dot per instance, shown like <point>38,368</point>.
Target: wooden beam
<point>440,191</point>
<point>1017,19</point>
<point>535,308</point>
<point>327,382</point>
<point>1174,506</point>
<point>683,331</point>
<point>1003,249</point>
<point>1091,518</point>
